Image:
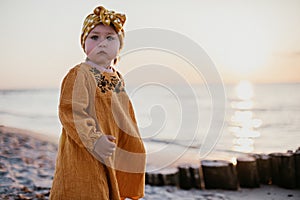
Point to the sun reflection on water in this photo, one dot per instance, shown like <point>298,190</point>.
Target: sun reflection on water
<point>244,90</point>
<point>243,125</point>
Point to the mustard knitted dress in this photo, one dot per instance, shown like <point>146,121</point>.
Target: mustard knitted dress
<point>93,103</point>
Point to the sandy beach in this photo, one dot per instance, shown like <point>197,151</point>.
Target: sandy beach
<point>27,163</point>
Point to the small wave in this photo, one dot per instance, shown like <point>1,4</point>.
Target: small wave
<point>22,91</point>
<point>187,144</point>
<point>27,115</point>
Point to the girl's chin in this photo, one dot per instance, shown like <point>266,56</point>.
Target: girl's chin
<point>99,62</point>
<point>102,64</point>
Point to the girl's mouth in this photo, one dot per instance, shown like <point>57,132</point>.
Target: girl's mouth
<point>101,52</point>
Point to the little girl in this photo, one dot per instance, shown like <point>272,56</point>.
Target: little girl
<point>101,154</point>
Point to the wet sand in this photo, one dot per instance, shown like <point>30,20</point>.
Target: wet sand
<point>27,163</point>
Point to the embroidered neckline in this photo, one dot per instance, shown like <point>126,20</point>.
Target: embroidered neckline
<point>108,82</point>
<point>102,69</point>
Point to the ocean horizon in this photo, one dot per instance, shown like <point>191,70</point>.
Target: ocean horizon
<point>259,118</point>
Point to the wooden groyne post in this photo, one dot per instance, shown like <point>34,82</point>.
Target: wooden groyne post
<point>247,172</point>
<point>219,174</point>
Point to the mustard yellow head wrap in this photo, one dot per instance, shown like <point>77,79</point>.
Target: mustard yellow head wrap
<point>106,17</point>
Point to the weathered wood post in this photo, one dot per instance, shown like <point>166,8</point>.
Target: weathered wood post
<point>287,171</point>
<point>170,176</point>
<point>185,177</point>
<point>264,168</point>
<point>147,178</point>
<point>219,174</point>
<point>275,165</point>
<point>283,169</point>
<point>247,172</point>
<point>297,167</point>
<point>195,176</point>
<point>154,178</point>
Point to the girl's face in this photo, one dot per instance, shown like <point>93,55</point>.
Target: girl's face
<point>102,45</point>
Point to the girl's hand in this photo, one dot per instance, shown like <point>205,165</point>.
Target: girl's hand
<point>105,146</point>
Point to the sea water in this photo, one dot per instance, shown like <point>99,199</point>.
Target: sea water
<point>258,118</point>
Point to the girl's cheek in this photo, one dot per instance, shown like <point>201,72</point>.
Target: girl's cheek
<point>89,47</point>
<point>88,50</point>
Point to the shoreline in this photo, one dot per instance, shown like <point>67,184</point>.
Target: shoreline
<point>47,138</point>
<point>165,158</point>
<point>28,160</point>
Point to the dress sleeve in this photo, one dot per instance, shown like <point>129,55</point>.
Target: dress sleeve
<point>74,109</point>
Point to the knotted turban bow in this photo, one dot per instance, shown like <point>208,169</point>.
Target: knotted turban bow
<point>106,17</point>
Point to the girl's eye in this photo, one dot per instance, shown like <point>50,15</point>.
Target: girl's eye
<point>94,37</point>
<point>110,38</point>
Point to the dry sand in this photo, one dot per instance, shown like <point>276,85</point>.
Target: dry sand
<point>27,161</point>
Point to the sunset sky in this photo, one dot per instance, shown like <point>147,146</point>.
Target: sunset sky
<point>256,40</point>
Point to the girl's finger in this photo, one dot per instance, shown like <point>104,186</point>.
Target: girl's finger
<point>111,138</point>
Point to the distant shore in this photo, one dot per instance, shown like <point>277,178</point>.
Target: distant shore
<point>27,162</point>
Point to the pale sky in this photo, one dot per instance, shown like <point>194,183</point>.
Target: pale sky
<point>257,40</point>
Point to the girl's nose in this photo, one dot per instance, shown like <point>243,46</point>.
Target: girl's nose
<point>102,43</point>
